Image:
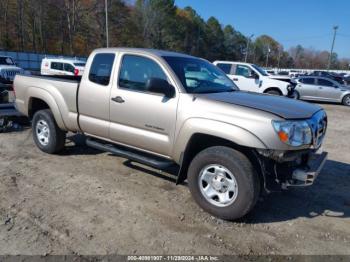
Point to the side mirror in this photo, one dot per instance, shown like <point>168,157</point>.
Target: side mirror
<point>160,86</point>
<point>254,75</point>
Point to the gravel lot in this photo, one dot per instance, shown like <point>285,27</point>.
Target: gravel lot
<point>88,202</point>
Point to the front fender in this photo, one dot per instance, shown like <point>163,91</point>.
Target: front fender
<point>228,131</point>
<point>278,84</point>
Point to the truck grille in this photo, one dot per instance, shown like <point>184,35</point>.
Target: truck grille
<point>10,74</point>
<point>318,125</point>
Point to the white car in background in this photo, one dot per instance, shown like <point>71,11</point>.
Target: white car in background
<point>62,67</point>
<point>250,77</point>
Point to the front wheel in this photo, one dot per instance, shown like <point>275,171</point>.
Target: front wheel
<point>223,182</point>
<point>47,135</point>
<point>346,100</point>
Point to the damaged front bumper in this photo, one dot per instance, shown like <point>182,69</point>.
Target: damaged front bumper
<point>282,170</point>
<point>305,176</point>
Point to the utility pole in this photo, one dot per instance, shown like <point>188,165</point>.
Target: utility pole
<point>247,49</point>
<point>335,28</point>
<point>267,56</point>
<point>106,10</point>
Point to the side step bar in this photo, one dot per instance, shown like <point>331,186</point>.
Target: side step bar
<point>131,154</point>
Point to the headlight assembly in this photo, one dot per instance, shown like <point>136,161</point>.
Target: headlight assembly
<point>293,133</point>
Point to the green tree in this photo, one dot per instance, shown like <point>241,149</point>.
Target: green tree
<point>214,38</point>
<point>156,20</point>
<point>234,43</point>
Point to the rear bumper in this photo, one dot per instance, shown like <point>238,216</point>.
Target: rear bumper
<point>305,176</point>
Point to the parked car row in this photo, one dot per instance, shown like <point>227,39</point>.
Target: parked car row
<point>316,86</point>
<point>329,75</point>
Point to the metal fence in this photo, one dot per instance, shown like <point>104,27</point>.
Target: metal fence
<point>32,61</point>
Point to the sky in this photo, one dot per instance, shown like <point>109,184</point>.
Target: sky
<point>290,22</point>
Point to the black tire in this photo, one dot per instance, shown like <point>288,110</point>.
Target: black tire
<point>274,92</point>
<point>56,138</point>
<point>346,100</point>
<point>244,173</point>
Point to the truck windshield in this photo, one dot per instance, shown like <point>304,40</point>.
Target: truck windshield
<point>6,61</point>
<point>199,76</point>
<point>260,70</point>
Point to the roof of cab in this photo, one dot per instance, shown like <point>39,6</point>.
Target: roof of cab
<point>155,52</point>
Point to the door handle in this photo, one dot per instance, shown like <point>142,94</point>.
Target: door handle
<point>118,99</point>
<point>320,87</point>
<point>235,79</point>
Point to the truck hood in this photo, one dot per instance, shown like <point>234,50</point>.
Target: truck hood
<point>287,79</point>
<point>279,77</point>
<point>286,108</point>
<point>9,67</point>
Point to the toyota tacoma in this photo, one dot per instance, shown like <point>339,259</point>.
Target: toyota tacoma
<point>165,109</point>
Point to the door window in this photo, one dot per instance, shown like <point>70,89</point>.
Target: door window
<point>225,67</point>
<point>101,69</point>
<point>324,82</point>
<point>243,71</point>
<point>137,70</point>
<point>57,66</point>
<point>69,68</point>
<point>308,81</point>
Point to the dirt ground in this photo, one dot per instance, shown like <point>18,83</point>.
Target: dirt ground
<point>89,202</point>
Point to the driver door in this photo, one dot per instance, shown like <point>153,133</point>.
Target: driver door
<point>307,88</point>
<point>138,117</point>
<point>244,78</point>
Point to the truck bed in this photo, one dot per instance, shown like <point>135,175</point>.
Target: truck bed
<point>59,93</point>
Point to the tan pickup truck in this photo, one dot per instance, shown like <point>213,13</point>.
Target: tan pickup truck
<point>167,109</point>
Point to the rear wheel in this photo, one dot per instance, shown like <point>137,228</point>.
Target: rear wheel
<point>346,100</point>
<point>47,135</point>
<point>223,182</point>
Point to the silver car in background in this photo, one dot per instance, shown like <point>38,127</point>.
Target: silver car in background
<point>322,89</point>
